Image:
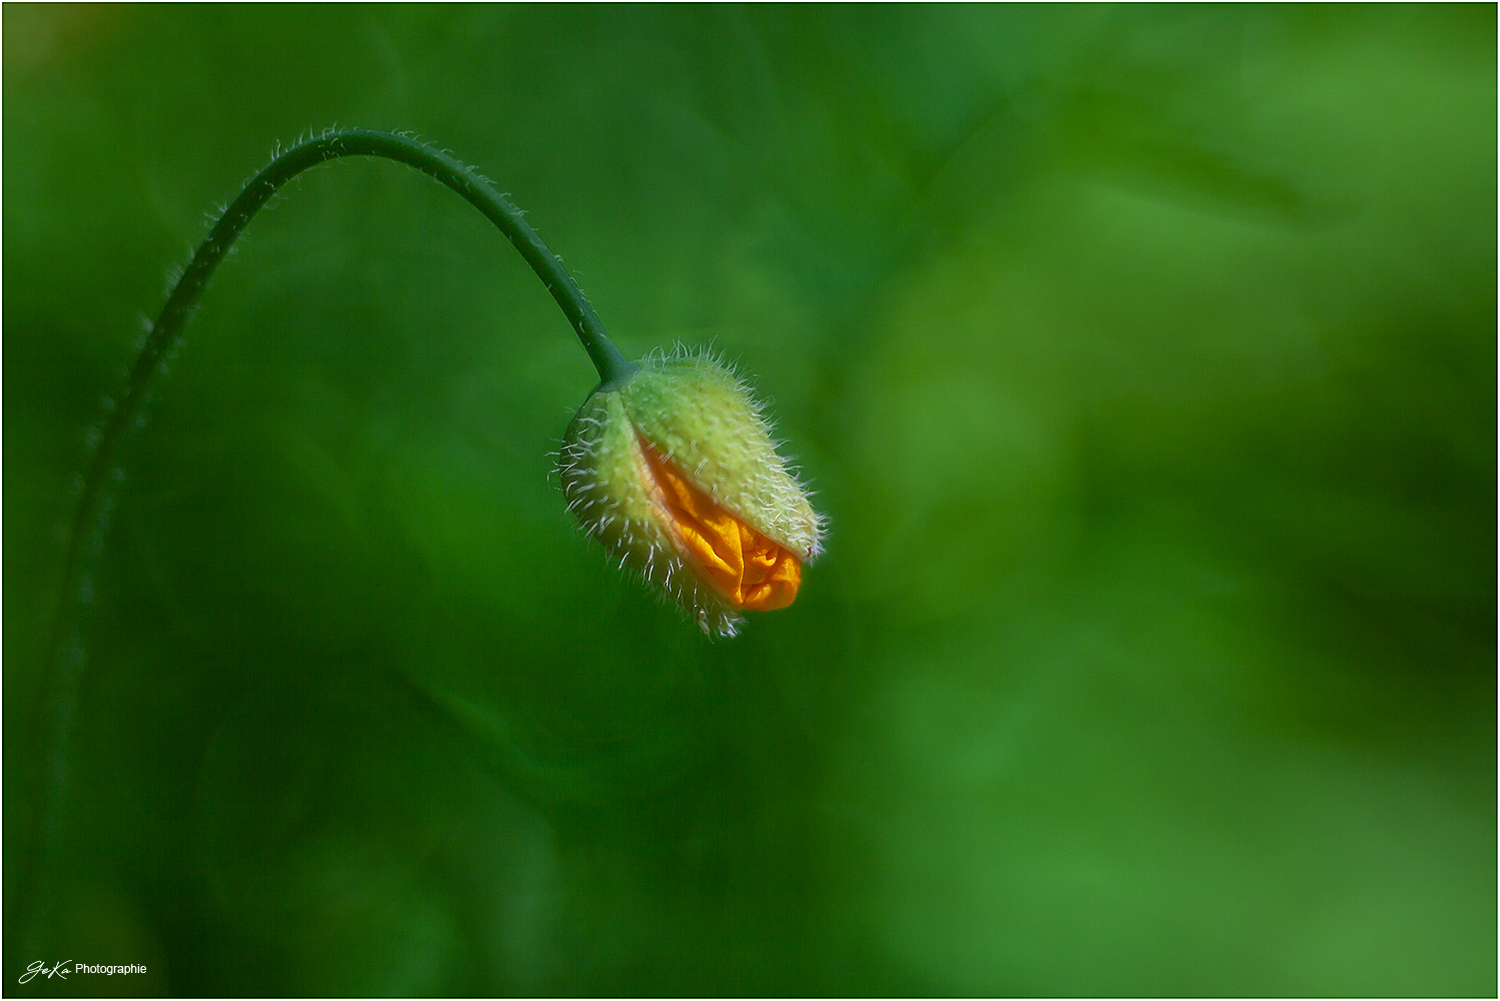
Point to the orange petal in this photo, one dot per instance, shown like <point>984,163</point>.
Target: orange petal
<point>748,569</point>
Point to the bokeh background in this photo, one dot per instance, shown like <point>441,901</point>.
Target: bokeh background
<point>1143,359</point>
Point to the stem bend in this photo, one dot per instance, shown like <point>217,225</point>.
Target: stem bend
<point>65,658</point>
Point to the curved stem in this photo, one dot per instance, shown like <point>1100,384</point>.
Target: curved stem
<point>65,653</point>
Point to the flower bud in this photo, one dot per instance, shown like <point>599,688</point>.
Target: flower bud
<point>675,472</point>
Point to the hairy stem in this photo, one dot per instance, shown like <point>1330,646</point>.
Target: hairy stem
<point>64,662</point>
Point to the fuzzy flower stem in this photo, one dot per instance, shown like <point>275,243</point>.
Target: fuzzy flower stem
<point>65,652</point>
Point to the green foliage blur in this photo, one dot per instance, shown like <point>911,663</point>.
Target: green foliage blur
<point>1143,359</point>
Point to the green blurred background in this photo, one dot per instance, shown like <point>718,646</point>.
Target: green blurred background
<point>1144,360</point>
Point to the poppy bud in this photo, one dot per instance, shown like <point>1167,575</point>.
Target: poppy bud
<point>673,469</point>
